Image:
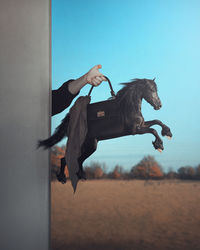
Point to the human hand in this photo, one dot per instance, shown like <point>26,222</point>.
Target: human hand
<point>94,77</point>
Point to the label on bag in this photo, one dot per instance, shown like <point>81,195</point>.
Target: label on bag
<point>100,113</point>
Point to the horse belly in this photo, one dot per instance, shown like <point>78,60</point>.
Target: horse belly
<point>106,128</point>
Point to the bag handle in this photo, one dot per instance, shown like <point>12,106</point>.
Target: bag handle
<point>111,89</point>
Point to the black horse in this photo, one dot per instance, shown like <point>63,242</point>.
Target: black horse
<point>120,116</point>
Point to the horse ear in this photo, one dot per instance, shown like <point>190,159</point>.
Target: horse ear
<point>154,79</point>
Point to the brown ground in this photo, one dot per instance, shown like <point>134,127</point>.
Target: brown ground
<point>106,214</point>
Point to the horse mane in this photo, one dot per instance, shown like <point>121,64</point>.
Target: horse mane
<point>128,95</point>
<point>128,98</point>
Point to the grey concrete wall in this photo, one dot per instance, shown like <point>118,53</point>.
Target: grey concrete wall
<point>24,117</point>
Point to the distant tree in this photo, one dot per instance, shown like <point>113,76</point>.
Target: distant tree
<point>54,171</point>
<point>98,173</point>
<point>191,172</point>
<point>104,168</point>
<point>89,172</point>
<point>117,173</point>
<point>56,154</point>
<point>128,175</point>
<point>182,172</point>
<point>94,171</point>
<point>171,175</point>
<point>187,173</point>
<point>198,172</point>
<point>147,168</point>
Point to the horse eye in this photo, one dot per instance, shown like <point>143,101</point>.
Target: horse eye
<point>154,94</point>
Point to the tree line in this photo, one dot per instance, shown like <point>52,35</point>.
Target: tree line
<point>147,168</point>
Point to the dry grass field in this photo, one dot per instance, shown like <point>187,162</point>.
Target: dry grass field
<point>140,215</point>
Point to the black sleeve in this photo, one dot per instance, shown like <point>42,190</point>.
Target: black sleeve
<point>61,98</point>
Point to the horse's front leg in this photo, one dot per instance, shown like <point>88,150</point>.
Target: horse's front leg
<point>88,148</point>
<point>158,143</point>
<point>165,129</point>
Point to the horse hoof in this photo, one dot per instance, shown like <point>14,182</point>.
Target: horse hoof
<point>158,145</point>
<point>166,131</point>
<point>62,178</point>
<point>168,137</point>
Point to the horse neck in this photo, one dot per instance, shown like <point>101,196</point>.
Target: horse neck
<point>131,101</point>
<point>131,109</point>
<point>137,104</point>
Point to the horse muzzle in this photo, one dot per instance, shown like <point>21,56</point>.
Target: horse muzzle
<point>158,106</point>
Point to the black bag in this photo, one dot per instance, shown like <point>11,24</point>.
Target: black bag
<point>104,120</point>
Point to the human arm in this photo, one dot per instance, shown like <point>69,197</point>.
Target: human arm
<point>62,97</point>
<point>93,77</point>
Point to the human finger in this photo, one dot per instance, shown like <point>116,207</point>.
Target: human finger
<point>103,77</point>
<point>99,78</point>
<point>95,82</point>
<point>94,72</point>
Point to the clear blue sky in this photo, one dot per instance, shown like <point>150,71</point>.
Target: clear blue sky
<point>135,39</point>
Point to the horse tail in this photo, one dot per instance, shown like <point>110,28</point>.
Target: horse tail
<point>58,135</point>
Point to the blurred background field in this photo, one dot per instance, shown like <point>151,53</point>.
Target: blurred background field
<point>126,214</point>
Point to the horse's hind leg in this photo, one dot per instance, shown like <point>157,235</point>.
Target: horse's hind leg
<point>61,176</point>
<point>88,148</point>
<point>165,129</point>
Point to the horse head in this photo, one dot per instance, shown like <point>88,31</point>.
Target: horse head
<point>150,93</point>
